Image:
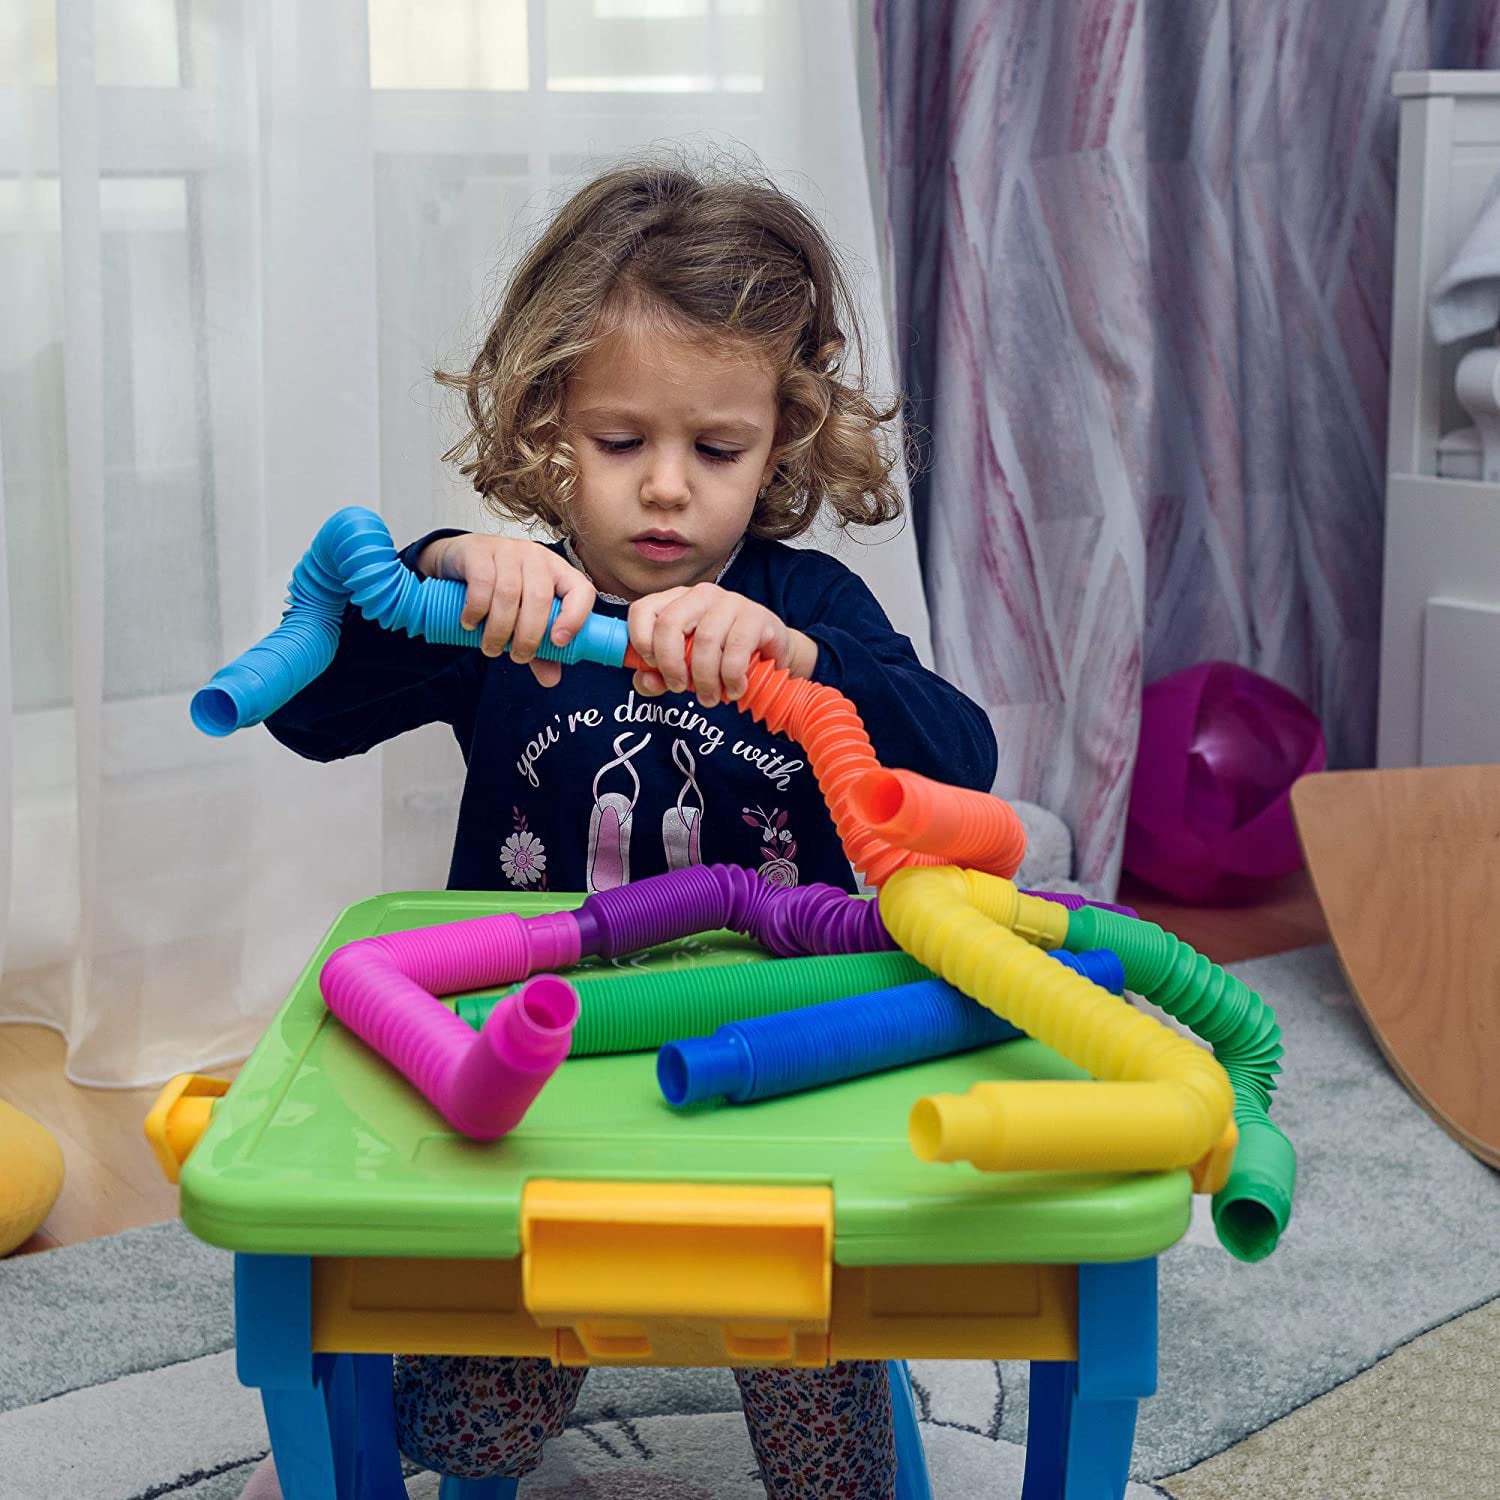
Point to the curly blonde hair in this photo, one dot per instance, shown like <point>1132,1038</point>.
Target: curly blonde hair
<point>724,258</point>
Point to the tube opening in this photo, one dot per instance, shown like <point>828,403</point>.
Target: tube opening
<point>879,797</point>
<point>1247,1229</point>
<point>924,1128</point>
<point>672,1074</point>
<point>214,712</point>
<point>549,1003</point>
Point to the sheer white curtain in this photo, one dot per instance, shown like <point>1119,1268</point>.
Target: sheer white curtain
<point>234,239</point>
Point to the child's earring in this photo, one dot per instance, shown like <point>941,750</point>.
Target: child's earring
<point>762,494</point>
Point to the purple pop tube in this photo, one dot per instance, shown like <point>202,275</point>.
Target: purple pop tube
<point>1076,903</point>
<point>815,919</point>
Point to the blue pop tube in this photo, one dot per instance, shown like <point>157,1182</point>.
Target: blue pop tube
<point>822,1044</point>
<point>1101,965</point>
<point>352,559</point>
<point>765,1056</point>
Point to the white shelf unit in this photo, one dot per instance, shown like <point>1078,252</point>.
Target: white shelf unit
<point>1440,621</point>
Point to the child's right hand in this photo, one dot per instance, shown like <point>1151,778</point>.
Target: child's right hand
<point>511,586</point>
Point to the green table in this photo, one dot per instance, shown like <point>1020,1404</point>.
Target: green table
<point>610,1228</point>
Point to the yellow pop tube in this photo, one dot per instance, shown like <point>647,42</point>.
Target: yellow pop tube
<point>1053,1127</point>
<point>1163,1102</point>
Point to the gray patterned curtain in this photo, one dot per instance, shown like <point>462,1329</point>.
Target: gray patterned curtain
<point>1143,263</point>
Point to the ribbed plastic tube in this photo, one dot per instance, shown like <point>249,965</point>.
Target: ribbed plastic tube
<point>830,731</point>
<point>352,559</point>
<point>1099,966</point>
<point>383,989</point>
<point>827,1043</point>
<point>914,812</point>
<point>1252,1208</point>
<point>1163,1103</point>
<point>483,1083</point>
<point>638,1012</point>
<point>635,1012</point>
<point>1077,903</point>
<point>704,898</point>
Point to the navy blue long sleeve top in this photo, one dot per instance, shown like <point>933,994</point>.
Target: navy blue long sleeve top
<point>588,785</point>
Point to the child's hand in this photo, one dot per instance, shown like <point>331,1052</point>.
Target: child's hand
<point>511,588</point>
<point>726,629</point>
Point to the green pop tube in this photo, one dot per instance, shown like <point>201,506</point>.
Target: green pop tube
<point>645,1009</point>
<point>1252,1208</point>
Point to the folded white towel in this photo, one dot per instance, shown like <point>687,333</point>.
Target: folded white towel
<point>1466,297</point>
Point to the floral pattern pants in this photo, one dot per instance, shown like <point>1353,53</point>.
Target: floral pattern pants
<point>815,1432</point>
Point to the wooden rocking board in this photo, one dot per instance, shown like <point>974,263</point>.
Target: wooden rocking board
<point>1407,866</point>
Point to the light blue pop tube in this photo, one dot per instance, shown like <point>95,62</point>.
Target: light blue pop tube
<point>823,1044</point>
<point>352,559</point>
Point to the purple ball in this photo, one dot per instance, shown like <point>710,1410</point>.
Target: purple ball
<point>1210,818</point>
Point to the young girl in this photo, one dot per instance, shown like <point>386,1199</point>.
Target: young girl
<point>669,387</point>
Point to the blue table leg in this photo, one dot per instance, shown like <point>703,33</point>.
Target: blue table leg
<point>364,1428</point>
<point>1082,1423</point>
<point>330,1417</point>
<point>273,1351</point>
<point>1050,1408</point>
<point>476,1489</point>
<point>911,1461</point>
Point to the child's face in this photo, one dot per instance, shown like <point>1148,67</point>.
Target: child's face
<point>673,444</point>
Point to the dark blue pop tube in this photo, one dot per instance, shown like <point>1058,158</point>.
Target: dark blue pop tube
<point>766,1056</point>
<point>822,1044</point>
<point>352,559</point>
<point>1102,965</point>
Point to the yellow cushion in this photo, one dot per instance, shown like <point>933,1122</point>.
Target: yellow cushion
<point>31,1174</point>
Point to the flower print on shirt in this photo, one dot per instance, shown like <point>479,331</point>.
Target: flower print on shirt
<point>778,849</point>
<point>523,856</point>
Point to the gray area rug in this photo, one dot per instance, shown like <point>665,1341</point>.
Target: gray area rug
<point>116,1380</point>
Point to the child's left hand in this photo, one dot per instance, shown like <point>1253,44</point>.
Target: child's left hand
<point>726,629</point>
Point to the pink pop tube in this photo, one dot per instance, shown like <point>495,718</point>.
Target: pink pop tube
<point>499,949</point>
<point>491,1086</point>
<point>384,990</point>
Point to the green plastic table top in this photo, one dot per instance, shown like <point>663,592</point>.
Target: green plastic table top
<point>321,1148</point>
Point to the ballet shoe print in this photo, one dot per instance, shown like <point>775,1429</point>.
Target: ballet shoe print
<point>611,820</point>
<point>682,825</point>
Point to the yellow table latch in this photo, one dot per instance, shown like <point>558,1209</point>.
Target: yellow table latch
<point>679,1273</point>
<point>179,1116</point>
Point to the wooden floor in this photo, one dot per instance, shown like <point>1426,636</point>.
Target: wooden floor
<point>1286,916</point>
<point>113,1182</point>
<point>111,1179</point>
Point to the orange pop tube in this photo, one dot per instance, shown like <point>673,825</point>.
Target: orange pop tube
<point>966,828</point>
<point>828,727</point>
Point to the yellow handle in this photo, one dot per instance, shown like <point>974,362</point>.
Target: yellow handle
<point>179,1116</point>
<point>1165,1102</point>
